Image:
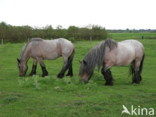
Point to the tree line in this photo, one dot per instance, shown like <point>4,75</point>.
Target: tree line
<point>11,33</point>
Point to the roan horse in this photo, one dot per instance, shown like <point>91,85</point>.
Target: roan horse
<point>111,53</point>
<point>40,50</point>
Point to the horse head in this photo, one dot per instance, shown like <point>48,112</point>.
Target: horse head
<point>22,67</point>
<point>85,73</point>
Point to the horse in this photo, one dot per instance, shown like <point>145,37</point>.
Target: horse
<point>40,50</point>
<point>110,53</point>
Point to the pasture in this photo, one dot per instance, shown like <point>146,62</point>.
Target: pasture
<point>48,97</point>
<point>146,35</point>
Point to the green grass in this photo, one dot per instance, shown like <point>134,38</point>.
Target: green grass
<point>48,97</point>
<point>132,35</point>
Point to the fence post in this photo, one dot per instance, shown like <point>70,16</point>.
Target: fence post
<point>90,38</point>
<point>142,37</point>
<point>2,41</point>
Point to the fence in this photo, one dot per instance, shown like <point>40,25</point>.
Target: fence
<point>2,41</point>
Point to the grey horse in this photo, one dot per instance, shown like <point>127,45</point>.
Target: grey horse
<point>39,50</point>
<point>110,53</point>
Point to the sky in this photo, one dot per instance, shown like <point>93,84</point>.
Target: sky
<point>111,14</point>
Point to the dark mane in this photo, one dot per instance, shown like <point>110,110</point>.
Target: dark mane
<point>111,44</point>
<point>95,56</point>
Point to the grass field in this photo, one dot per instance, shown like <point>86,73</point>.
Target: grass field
<point>48,97</point>
<point>146,35</point>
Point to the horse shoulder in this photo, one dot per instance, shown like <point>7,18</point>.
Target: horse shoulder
<point>110,57</point>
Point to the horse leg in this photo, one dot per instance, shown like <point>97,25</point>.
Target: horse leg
<point>70,71</point>
<point>70,60</point>
<point>44,70</point>
<point>67,65</point>
<point>107,76</point>
<point>136,75</point>
<point>34,67</point>
<point>64,68</point>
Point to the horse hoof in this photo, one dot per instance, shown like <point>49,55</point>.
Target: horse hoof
<point>43,75</point>
<point>136,82</point>
<point>60,76</point>
<point>109,84</point>
<point>30,74</point>
<point>69,75</point>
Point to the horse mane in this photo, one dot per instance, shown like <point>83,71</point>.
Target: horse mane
<point>95,56</point>
<point>25,46</point>
<point>111,44</point>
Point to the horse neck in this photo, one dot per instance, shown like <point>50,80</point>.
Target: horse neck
<point>92,60</point>
<point>96,59</point>
<point>24,58</point>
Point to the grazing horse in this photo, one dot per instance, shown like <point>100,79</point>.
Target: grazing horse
<point>111,53</point>
<point>39,50</point>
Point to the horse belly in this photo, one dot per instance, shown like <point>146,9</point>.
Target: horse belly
<point>124,61</point>
<point>51,56</point>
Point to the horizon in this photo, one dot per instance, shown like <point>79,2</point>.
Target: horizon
<point>72,25</point>
<point>110,14</point>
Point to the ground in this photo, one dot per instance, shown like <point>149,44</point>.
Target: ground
<point>49,97</point>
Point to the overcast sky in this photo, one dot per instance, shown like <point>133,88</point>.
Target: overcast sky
<point>111,14</point>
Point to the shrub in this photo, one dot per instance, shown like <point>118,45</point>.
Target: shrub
<point>22,33</point>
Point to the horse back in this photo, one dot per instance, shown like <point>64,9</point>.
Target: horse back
<point>131,50</point>
<point>135,45</point>
<point>49,49</point>
<point>125,52</point>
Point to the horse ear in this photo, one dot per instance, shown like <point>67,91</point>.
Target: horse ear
<point>84,62</point>
<point>18,60</point>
